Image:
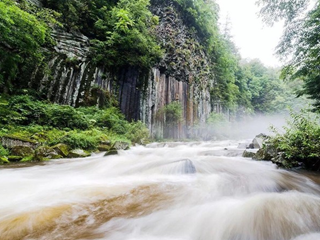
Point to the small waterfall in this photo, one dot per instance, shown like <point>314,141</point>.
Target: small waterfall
<point>165,191</point>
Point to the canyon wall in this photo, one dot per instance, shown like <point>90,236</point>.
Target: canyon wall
<point>183,76</point>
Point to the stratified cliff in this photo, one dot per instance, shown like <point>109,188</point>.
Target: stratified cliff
<point>183,76</point>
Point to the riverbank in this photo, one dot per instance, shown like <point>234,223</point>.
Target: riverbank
<point>33,130</point>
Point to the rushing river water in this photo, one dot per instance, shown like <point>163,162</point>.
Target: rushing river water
<point>173,191</point>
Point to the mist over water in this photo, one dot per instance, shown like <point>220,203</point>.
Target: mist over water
<point>165,191</point>
<point>246,128</point>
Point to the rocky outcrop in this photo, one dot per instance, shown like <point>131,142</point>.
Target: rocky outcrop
<point>13,141</point>
<point>44,153</point>
<point>183,75</point>
<point>268,152</point>
<point>61,149</point>
<point>23,151</point>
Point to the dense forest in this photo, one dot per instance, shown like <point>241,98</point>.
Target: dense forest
<point>123,34</point>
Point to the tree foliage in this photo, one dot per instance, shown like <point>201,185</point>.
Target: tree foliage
<point>203,16</point>
<point>300,140</point>
<point>21,38</point>
<point>125,35</point>
<point>121,31</point>
<point>300,42</point>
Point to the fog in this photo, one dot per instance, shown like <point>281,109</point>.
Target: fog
<point>246,128</point>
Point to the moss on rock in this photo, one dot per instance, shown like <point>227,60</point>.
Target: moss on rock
<point>22,151</point>
<point>61,149</point>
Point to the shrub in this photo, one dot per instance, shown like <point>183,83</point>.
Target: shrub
<point>26,110</point>
<point>300,140</point>
<point>66,117</point>
<point>3,151</point>
<point>112,119</point>
<point>137,132</point>
<point>172,113</point>
<point>88,140</point>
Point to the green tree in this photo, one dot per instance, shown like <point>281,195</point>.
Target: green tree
<point>21,38</point>
<point>125,36</point>
<point>300,42</point>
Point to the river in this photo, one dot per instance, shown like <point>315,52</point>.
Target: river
<point>165,191</point>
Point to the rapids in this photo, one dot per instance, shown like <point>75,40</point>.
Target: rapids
<point>165,191</point>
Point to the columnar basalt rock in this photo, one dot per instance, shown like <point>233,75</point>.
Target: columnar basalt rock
<point>183,75</point>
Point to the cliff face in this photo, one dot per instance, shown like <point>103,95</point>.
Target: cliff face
<point>182,76</point>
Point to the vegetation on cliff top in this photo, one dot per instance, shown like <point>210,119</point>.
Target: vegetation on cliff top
<point>122,33</point>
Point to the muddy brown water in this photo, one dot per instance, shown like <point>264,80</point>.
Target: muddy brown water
<point>165,191</point>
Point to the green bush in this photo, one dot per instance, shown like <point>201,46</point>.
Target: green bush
<point>26,110</point>
<point>173,113</point>
<point>300,140</point>
<point>112,119</point>
<point>24,117</point>
<point>88,140</point>
<point>66,117</point>
<point>3,151</point>
<point>138,132</point>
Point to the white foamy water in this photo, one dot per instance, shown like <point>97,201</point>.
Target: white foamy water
<point>165,191</point>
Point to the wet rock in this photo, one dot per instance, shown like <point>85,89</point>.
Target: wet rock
<point>259,155</point>
<point>61,149</point>
<point>267,153</point>
<point>258,141</point>
<point>12,141</point>
<point>104,148</point>
<point>120,146</point>
<point>189,168</point>
<point>111,152</point>
<point>248,154</point>
<point>22,151</point>
<point>78,153</point>
<point>44,153</point>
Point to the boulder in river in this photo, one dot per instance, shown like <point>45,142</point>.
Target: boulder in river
<point>268,152</point>
<point>258,141</point>
<point>104,148</point>
<point>248,154</point>
<point>78,153</point>
<point>118,145</point>
<point>111,152</point>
